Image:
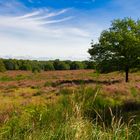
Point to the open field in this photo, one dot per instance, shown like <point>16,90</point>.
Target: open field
<point>69,105</point>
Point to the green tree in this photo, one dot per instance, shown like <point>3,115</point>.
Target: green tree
<point>9,64</point>
<point>89,64</point>
<point>48,66</point>
<point>120,42</point>
<point>26,65</point>
<point>76,65</point>
<point>2,66</point>
<point>61,65</point>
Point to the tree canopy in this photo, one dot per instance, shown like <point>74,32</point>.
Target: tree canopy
<point>121,42</point>
<point>37,66</point>
<point>2,66</point>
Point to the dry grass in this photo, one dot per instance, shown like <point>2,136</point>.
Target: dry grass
<point>69,94</point>
<point>47,84</point>
<point>23,88</point>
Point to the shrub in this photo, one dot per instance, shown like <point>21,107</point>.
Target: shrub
<point>60,65</point>
<point>2,66</point>
<point>76,65</point>
<point>49,66</point>
<point>90,65</point>
<point>36,69</point>
<point>9,64</point>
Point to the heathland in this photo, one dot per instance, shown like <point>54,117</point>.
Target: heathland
<point>69,105</point>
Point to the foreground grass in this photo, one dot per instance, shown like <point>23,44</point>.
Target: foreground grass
<point>69,105</point>
<point>79,114</point>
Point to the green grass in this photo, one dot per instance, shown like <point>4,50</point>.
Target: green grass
<point>80,114</point>
<point>6,78</point>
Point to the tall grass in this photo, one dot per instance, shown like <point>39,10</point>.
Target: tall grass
<point>82,114</point>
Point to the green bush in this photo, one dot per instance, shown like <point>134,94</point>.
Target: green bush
<point>2,66</point>
<point>60,65</point>
<point>49,66</point>
<point>76,65</point>
<point>36,69</point>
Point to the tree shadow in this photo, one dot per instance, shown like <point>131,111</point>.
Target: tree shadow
<point>123,113</point>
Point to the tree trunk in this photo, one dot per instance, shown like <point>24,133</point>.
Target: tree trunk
<point>126,72</point>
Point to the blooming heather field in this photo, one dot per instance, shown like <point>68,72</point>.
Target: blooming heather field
<point>71,105</point>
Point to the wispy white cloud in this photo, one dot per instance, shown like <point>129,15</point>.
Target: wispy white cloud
<point>43,14</point>
<point>56,21</point>
<point>27,23</point>
<point>12,7</point>
<point>52,14</point>
<point>64,33</point>
<point>28,15</point>
<point>42,32</point>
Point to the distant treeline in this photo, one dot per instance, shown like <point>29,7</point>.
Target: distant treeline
<point>37,66</point>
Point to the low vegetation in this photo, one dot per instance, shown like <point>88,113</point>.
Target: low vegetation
<point>82,105</point>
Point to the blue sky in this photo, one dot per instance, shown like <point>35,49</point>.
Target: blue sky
<point>54,29</point>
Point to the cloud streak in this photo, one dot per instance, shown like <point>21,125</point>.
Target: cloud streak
<point>33,22</point>
<point>62,31</point>
<point>42,33</point>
